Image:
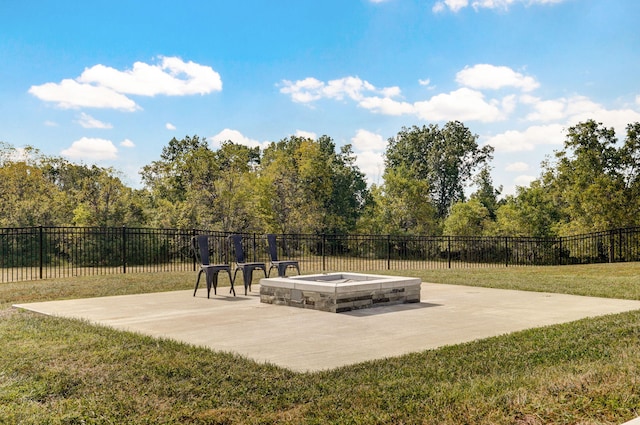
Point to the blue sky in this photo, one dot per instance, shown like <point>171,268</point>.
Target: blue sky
<point>111,82</point>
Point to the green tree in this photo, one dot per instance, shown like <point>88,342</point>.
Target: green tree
<point>308,187</point>
<point>591,186</point>
<point>470,218</point>
<point>631,170</point>
<point>349,193</point>
<point>50,191</point>
<point>194,186</point>
<point>233,188</point>
<point>28,199</point>
<point>589,182</point>
<point>444,157</point>
<point>533,211</point>
<point>486,192</point>
<point>400,206</point>
<point>184,166</point>
<point>170,177</point>
<point>103,200</point>
<point>94,196</point>
<point>279,194</point>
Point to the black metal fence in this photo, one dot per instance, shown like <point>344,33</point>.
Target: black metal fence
<point>51,252</point>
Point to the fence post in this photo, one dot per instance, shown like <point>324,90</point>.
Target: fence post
<point>324,241</point>
<point>620,256</point>
<point>449,250</point>
<point>612,248</point>
<point>560,252</point>
<point>41,249</point>
<point>192,252</point>
<point>388,252</point>
<point>124,249</point>
<point>506,251</point>
<point>254,247</point>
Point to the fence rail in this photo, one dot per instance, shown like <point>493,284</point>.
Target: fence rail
<point>50,252</point>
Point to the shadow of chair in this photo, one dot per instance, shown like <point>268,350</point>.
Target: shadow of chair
<point>281,265</point>
<point>242,265</point>
<point>200,246</point>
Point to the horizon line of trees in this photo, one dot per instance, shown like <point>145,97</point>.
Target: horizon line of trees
<point>301,185</point>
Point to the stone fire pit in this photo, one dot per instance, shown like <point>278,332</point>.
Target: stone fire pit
<point>339,292</point>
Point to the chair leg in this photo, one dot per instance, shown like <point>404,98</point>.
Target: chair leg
<point>197,283</point>
<point>215,283</point>
<point>232,290</point>
<point>247,280</point>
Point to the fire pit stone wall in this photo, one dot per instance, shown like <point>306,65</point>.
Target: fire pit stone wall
<point>339,292</point>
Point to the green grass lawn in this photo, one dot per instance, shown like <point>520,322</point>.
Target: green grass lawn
<point>61,371</point>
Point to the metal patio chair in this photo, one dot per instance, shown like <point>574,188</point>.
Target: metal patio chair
<point>242,265</point>
<point>274,263</point>
<point>200,246</point>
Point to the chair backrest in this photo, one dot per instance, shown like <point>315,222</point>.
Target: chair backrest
<point>237,248</point>
<point>200,246</point>
<point>273,248</point>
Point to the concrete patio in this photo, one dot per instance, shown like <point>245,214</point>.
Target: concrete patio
<point>309,340</point>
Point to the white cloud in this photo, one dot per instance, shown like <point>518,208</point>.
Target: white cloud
<point>87,121</point>
<point>438,7</point>
<point>387,106</point>
<point>172,77</point>
<point>575,109</point>
<point>104,87</point>
<point>236,137</point>
<point>306,134</point>
<point>70,94</point>
<point>367,141</point>
<point>545,110</point>
<point>527,140</point>
<point>559,115</point>
<point>126,143</point>
<point>463,104</point>
<point>311,89</point>
<point>51,123</point>
<point>581,108</point>
<point>453,5</point>
<point>170,126</point>
<point>91,149</point>
<point>303,91</point>
<point>371,164</point>
<point>524,180</point>
<point>457,5</point>
<point>352,87</point>
<point>517,167</point>
<point>486,76</point>
<point>493,4</point>
<point>369,149</point>
<point>508,104</point>
<point>469,103</point>
<point>616,118</point>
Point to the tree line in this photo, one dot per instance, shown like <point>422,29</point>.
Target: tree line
<point>301,185</point>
